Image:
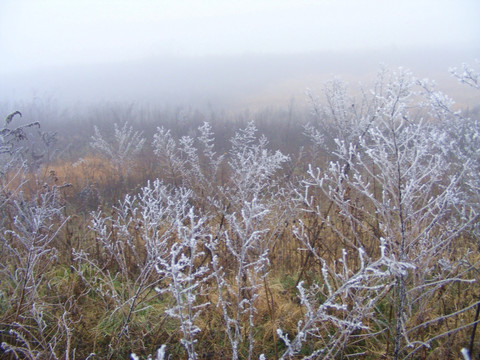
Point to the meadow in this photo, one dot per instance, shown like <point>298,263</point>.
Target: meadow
<point>346,230</point>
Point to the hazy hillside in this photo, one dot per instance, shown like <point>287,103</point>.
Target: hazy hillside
<point>232,82</point>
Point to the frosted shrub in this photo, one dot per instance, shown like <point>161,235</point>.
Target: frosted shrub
<point>464,137</point>
<point>349,298</point>
<point>248,235</point>
<point>244,202</point>
<point>245,246</point>
<point>190,162</point>
<point>394,187</point>
<point>154,240</point>
<point>165,147</point>
<point>121,151</point>
<point>339,115</point>
<point>184,278</point>
<point>468,75</point>
<point>30,224</point>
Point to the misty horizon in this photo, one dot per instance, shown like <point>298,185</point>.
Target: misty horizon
<point>228,81</point>
<point>235,54</point>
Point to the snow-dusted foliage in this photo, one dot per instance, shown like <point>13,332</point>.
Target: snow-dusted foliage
<point>395,184</point>
<point>29,225</point>
<point>465,138</point>
<point>12,156</point>
<point>189,161</point>
<point>165,147</point>
<point>339,115</point>
<point>366,247</point>
<point>348,301</point>
<point>154,240</point>
<point>27,254</point>
<point>249,232</point>
<point>461,137</point>
<point>246,230</point>
<point>125,145</point>
<point>245,249</point>
<point>252,164</point>
<point>468,75</point>
<point>184,277</point>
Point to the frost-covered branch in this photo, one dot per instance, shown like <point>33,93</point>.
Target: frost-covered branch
<point>125,145</point>
<point>467,75</point>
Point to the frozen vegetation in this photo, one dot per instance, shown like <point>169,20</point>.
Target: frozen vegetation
<point>183,243</point>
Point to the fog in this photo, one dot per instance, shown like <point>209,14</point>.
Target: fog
<point>232,54</point>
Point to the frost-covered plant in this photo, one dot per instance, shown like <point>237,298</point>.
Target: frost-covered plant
<point>252,165</point>
<point>10,136</point>
<point>240,253</point>
<point>27,243</point>
<point>139,232</point>
<point>344,118</point>
<point>12,156</point>
<point>341,115</point>
<point>154,240</point>
<point>123,148</point>
<point>28,254</point>
<point>37,339</point>
<point>179,268</point>
<point>349,297</point>
<point>246,247</point>
<point>464,137</point>
<point>395,184</point>
<point>245,230</point>
<point>165,147</point>
<point>191,162</point>
<point>468,75</point>
<point>30,222</point>
<point>207,139</point>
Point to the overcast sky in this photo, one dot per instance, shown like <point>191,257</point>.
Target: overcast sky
<point>37,33</point>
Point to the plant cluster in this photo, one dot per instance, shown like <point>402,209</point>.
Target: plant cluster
<point>366,246</point>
